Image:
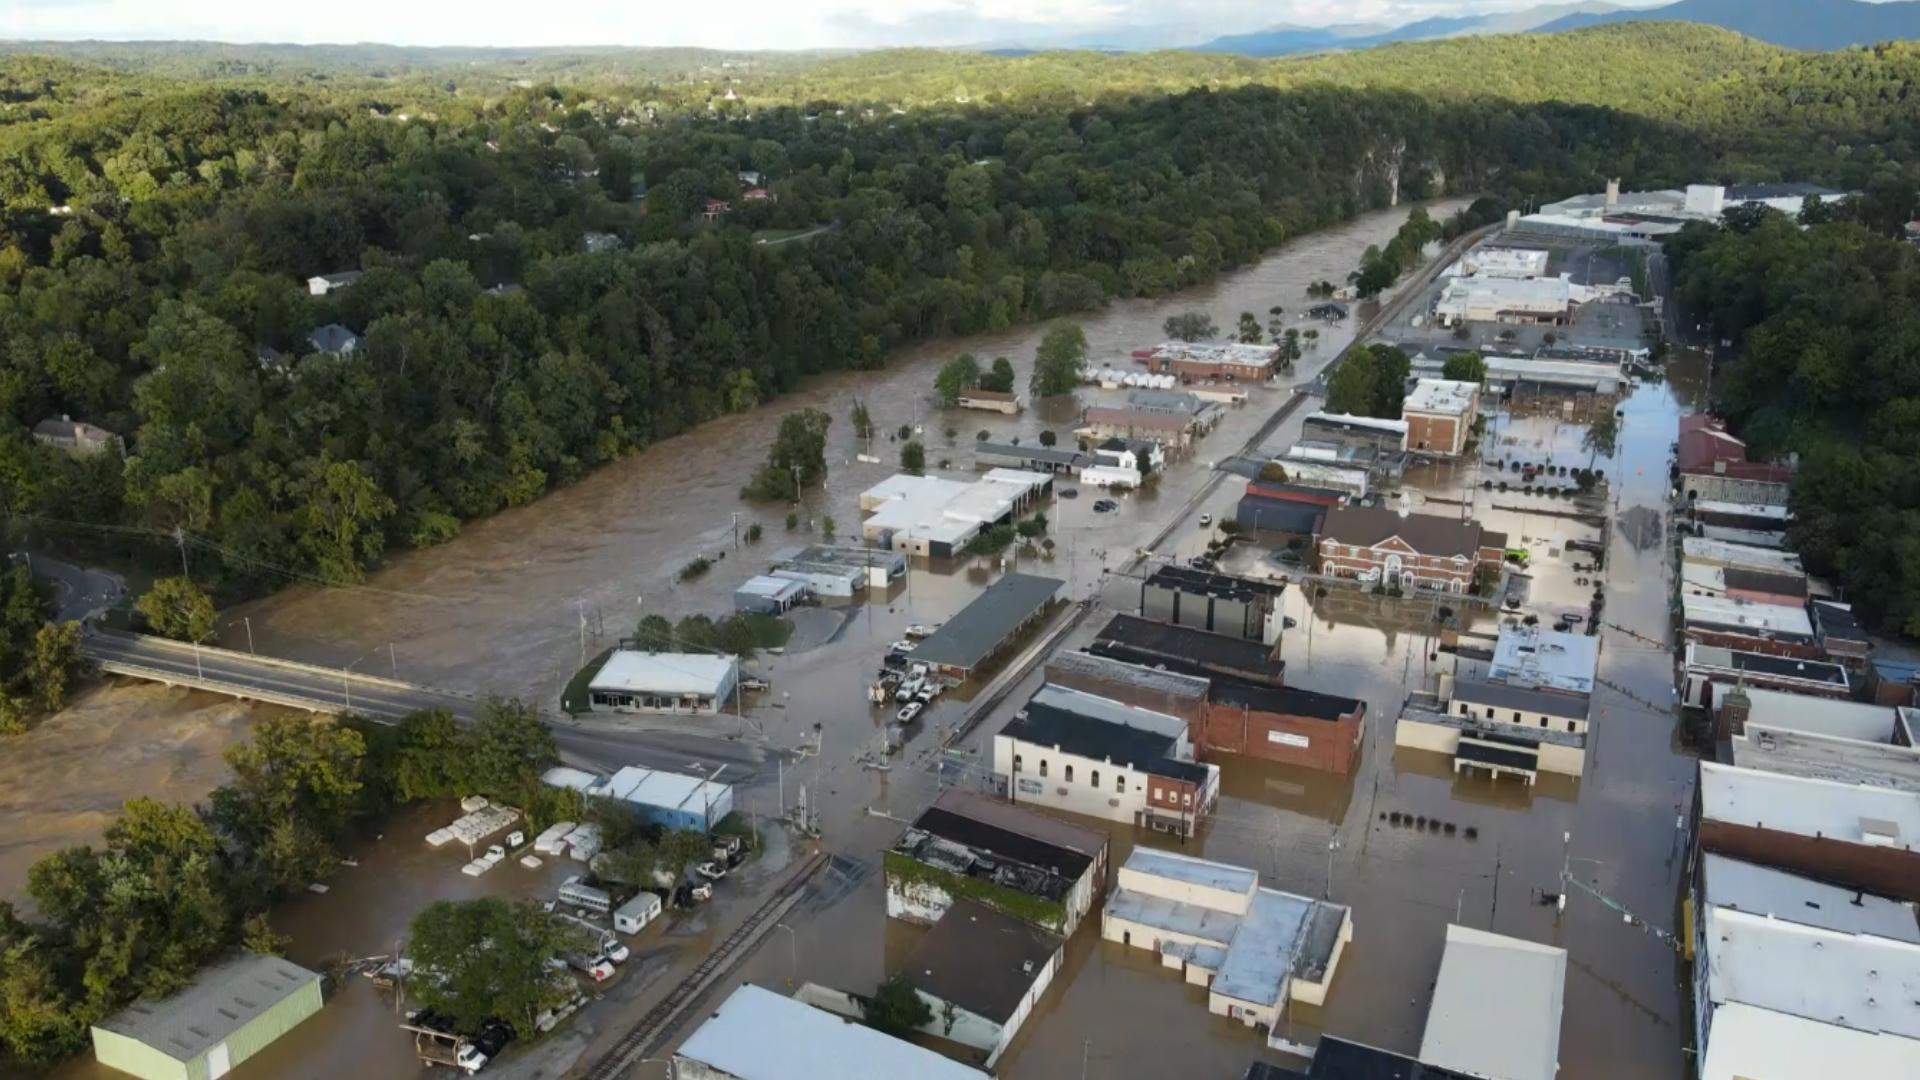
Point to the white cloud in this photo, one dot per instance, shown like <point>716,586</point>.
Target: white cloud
<point>739,24</point>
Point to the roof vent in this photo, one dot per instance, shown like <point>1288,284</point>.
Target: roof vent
<point>1026,966</point>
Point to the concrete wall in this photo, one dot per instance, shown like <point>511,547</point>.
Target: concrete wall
<point>1566,760</point>
<point>134,1057</point>
<point>1308,992</point>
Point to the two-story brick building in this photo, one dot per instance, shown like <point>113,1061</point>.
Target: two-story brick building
<point>1406,551</point>
<point>1440,415</point>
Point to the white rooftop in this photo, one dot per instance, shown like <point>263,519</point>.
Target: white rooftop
<point>1113,712</point>
<point>1762,890</point>
<point>757,1034</point>
<point>771,587</point>
<point>1761,510</point>
<point>1504,262</point>
<point>1533,295</point>
<point>1496,1007</point>
<point>1823,757</point>
<point>1185,868</point>
<point>648,787</point>
<point>1750,1042</point>
<point>1450,397</point>
<point>1722,611</point>
<point>1530,656</point>
<point>1230,352</point>
<point>1854,980</point>
<point>1720,551</point>
<point>664,673</point>
<point>1815,715</point>
<point>1778,802</point>
<point>946,510</point>
<point>1356,420</point>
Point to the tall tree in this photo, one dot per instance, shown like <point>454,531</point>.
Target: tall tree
<point>958,375</point>
<point>1190,326</point>
<point>175,607</point>
<point>1059,364</point>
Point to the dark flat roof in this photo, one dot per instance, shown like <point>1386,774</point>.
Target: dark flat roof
<point>1138,748</point>
<point>1287,700</point>
<point>1788,667</point>
<point>1275,515</point>
<point>1427,534</point>
<point>1525,698</point>
<point>984,625</point>
<point>1338,1059</point>
<point>1032,453</point>
<point>1129,637</point>
<point>1188,580</point>
<point>1006,844</point>
<point>1157,680</point>
<point>1832,620</point>
<point>980,960</point>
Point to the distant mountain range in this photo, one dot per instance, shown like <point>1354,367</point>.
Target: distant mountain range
<point>1795,24</point>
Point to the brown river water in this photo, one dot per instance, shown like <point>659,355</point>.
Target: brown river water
<point>502,608</point>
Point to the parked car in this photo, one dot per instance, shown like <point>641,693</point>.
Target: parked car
<point>701,892</point>
<point>753,682</point>
<point>1105,506</point>
<point>486,1044</point>
<point>1206,520</point>
<point>909,688</point>
<point>712,871</point>
<point>1201,562</point>
<point>903,646</point>
<point>909,711</point>
<point>594,967</point>
<point>1069,493</point>
<point>922,630</point>
<point>1573,618</point>
<point>616,951</point>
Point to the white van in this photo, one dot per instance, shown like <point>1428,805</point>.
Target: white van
<point>634,915</point>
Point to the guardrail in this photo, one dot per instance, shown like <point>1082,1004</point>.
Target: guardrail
<point>170,677</point>
<point>217,652</point>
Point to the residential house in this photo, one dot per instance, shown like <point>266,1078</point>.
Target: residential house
<point>1440,415</point>
<point>758,194</point>
<point>323,284</point>
<point>1376,545</point>
<point>982,972</point>
<point>1105,759</point>
<point>77,437</point>
<point>272,360</point>
<point>1254,949</point>
<point>1121,462</point>
<point>593,243</point>
<point>749,178</point>
<point>756,1034</point>
<point>993,852</point>
<point>713,209</point>
<point>334,340</point>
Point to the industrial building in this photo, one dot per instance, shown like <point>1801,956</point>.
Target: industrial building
<point>631,681</point>
<point>927,515</point>
<point>227,1014</point>
<point>1502,262</point>
<point>667,799</point>
<point>756,1034</point>
<point>1198,362</point>
<point>996,853</point>
<point>987,624</point>
<point>982,973</point>
<point>1254,949</point>
<point>766,594</point>
<point>839,572</point>
<point>1522,301</point>
<point>1237,607</point>
<point>1440,416</point>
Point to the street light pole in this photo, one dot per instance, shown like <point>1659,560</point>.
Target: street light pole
<point>793,952</point>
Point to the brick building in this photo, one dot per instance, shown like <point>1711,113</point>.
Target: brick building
<point>1440,415</point>
<point>1407,551</point>
<point>1284,724</point>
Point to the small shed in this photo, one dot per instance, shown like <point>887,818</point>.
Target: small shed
<point>230,1012</point>
<point>769,595</point>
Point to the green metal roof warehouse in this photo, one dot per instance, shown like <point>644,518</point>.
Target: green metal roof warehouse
<point>229,1013</point>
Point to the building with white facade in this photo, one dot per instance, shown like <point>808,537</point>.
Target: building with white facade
<point>756,1034</point>
<point>631,681</point>
<point>1254,949</point>
<point>1547,301</point>
<point>839,572</point>
<point>1084,754</point>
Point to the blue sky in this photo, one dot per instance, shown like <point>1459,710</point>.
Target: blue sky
<point>754,24</point>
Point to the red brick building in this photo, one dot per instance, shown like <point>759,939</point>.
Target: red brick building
<point>1286,724</point>
<point>1406,551</point>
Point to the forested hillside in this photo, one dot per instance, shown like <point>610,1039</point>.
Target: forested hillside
<point>156,234</point>
<point>1829,366</point>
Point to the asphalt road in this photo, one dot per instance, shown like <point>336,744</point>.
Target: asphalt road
<point>600,746</point>
<point>80,593</point>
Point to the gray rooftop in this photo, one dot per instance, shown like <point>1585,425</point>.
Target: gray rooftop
<point>1763,890</point>
<point>984,625</point>
<point>981,960</point>
<point>1202,872</point>
<point>221,1000</point>
<point>1524,699</point>
<point>1049,454</point>
<point>1813,756</point>
<point>1261,958</point>
<point>1496,1007</point>
<point>1158,680</point>
<point>1189,920</point>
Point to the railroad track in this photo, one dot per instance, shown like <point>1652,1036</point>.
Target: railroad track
<point>651,1031</point>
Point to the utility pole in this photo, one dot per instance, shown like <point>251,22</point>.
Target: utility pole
<point>736,530</point>
<point>179,539</point>
<point>393,659</point>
